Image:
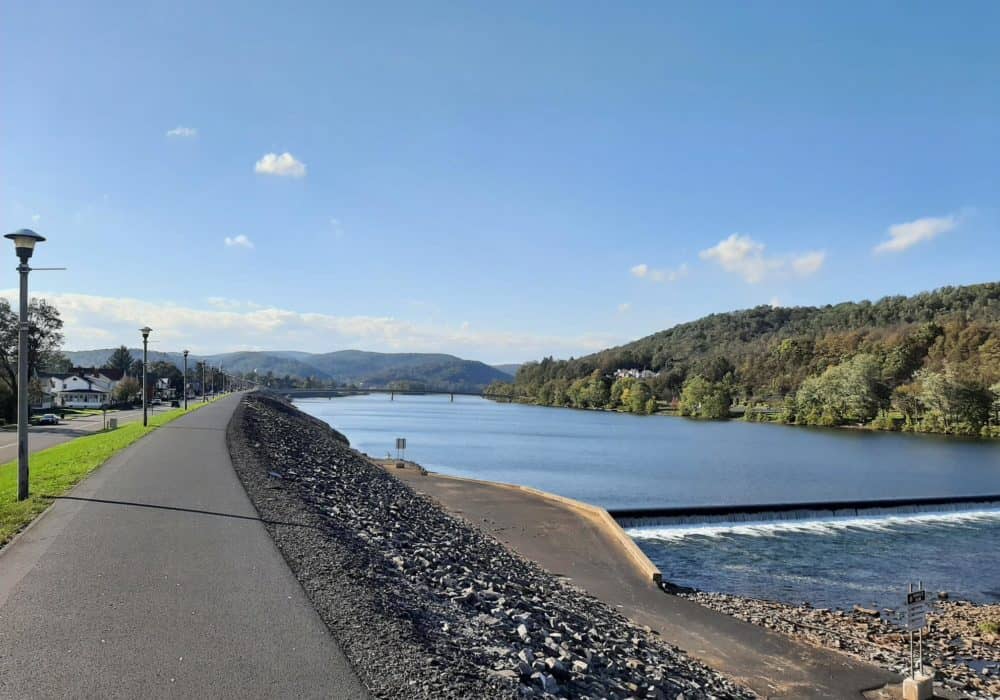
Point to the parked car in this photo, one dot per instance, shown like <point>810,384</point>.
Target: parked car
<point>175,404</point>
<point>156,402</point>
<point>49,419</point>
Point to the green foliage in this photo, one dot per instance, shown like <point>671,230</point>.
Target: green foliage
<point>121,359</point>
<point>703,398</point>
<point>930,362</point>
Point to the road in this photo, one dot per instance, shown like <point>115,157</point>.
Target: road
<point>43,436</point>
<point>154,578</point>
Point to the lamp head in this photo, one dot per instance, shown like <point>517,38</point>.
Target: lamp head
<point>145,330</point>
<point>24,242</point>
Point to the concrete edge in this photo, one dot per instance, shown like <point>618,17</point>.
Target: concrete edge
<point>595,514</point>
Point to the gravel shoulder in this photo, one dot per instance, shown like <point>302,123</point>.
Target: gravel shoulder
<point>423,604</point>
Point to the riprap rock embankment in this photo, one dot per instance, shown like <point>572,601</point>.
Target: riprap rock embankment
<point>425,605</point>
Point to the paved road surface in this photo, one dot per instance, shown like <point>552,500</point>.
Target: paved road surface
<point>155,578</point>
<point>42,436</point>
<point>562,541</point>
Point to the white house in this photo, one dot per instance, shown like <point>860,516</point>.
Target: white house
<point>80,388</point>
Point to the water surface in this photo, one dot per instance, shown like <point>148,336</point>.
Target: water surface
<point>624,461</point>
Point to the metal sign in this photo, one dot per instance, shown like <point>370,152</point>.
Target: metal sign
<point>915,616</point>
<point>400,443</point>
<point>916,609</point>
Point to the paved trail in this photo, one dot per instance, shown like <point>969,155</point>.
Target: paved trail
<point>154,578</point>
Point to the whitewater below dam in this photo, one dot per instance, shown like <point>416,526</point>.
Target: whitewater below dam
<point>623,461</point>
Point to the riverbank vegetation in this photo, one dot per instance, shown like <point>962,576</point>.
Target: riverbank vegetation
<point>927,363</point>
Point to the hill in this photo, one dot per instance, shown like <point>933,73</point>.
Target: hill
<point>372,369</point>
<point>930,361</point>
<point>510,369</point>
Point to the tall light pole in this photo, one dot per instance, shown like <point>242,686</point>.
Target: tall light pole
<point>185,380</point>
<point>204,398</point>
<point>145,353</point>
<point>24,245</point>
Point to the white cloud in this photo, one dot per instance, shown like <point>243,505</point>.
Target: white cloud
<point>183,132</point>
<point>806,264</point>
<point>284,165</point>
<point>96,321</point>
<point>905,235</point>
<point>644,271</point>
<point>774,303</point>
<point>239,241</point>
<point>624,308</point>
<point>745,257</point>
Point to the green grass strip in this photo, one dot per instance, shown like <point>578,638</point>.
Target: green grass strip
<point>57,469</point>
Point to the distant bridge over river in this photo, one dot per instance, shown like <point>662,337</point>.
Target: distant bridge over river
<point>392,393</point>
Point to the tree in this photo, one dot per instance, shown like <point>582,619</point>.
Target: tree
<point>44,341</point>
<point>121,359</point>
<point>702,398</point>
<point>127,389</point>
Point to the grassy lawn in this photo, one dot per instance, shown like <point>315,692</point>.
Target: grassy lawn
<point>56,469</point>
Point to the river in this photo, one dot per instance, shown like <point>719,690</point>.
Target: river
<point>625,461</point>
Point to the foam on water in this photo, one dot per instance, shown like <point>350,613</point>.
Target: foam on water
<point>816,524</point>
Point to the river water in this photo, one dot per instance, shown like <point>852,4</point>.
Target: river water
<point>624,461</point>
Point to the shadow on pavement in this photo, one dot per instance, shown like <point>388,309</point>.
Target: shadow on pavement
<point>186,510</point>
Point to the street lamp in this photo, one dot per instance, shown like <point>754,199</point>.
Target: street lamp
<point>185,380</point>
<point>204,399</point>
<point>24,245</point>
<point>145,330</point>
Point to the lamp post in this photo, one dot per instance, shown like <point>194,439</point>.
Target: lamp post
<point>185,380</point>
<point>24,245</point>
<point>145,330</point>
<point>204,398</point>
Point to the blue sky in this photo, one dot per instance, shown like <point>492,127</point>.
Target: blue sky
<point>496,180</point>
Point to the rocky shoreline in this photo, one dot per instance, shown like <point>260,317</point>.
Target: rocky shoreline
<point>964,656</point>
<point>423,604</point>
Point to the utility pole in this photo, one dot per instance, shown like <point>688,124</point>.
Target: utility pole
<point>24,244</point>
<point>204,397</point>
<point>185,380</point>
<point>145,330</point>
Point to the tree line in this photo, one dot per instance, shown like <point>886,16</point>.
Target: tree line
<point>929,363</point>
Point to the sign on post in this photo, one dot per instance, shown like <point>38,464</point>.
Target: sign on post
<point>400,452</point>
<point>916,609</point>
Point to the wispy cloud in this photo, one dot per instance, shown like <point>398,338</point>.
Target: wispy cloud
<point>624,307</point>
<point>644,271</point>
<point>337,228</point>
<point>240,241</point>
<point>96,321</point>
<point>908,234</point>
<point>183,132</point>
<point>284,165</point>
<point>746,257</point>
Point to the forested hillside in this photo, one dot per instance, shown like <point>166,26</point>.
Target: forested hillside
<point>929,362</point>
<point>285,369</point>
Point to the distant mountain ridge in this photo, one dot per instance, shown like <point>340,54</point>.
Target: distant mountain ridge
<point>373,369</point>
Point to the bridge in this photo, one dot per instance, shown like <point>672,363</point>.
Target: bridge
<point>333,393</point>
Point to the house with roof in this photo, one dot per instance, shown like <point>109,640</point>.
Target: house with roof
<point>79,388</point>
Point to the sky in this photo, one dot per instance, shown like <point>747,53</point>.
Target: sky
<point>501,181</point>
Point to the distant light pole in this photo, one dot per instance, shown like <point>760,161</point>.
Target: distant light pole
<point>145,330</point>
<point>204,398</point>
<point>24,246</point>
<point>185,380</point>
